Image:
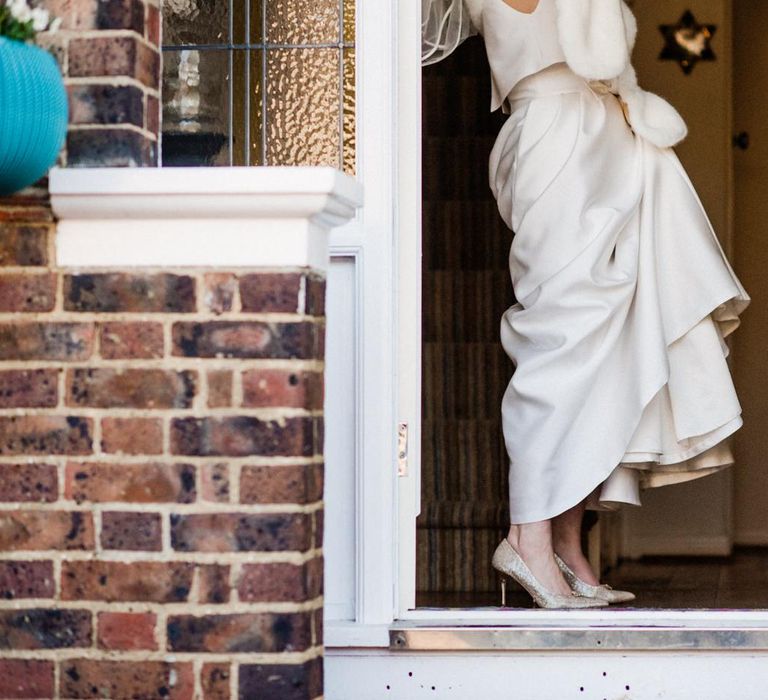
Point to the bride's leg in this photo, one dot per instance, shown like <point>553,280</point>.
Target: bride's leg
<point>533,542</point>
<point>566,540</point>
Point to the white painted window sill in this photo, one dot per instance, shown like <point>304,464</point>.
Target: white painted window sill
<point>212,217</point>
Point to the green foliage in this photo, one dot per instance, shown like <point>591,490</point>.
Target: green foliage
<point>11,28</point>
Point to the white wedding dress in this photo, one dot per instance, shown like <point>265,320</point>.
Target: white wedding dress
<point>625,295</point>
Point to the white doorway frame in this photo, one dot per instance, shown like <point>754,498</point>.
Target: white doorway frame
<point>389,232</point>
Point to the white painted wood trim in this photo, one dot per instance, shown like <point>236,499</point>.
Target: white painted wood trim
<point>213,217</point>
<point>351,634</point>
<point>409,301</point>
<point>377,139</point>
<point>465,675</point>
<point>371,236</point>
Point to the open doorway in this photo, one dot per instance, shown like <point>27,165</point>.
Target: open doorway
<point>699,545</point>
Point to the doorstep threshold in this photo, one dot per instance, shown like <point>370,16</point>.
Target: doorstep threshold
<point>701,633</point>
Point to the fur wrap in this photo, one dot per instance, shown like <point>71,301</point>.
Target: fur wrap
<point>597,38</point>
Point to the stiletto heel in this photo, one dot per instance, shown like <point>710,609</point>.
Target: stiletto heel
<point>503,582</point>
<point>507,561</point>
<point>601,592</point>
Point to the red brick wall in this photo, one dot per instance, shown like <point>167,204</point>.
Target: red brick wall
<point>160,478</point>
<point>109,54</point>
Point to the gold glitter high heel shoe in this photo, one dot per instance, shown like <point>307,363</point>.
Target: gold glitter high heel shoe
<point>603,591</point>
<point>507,561</point>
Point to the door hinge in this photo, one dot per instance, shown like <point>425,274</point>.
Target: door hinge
<point>402,449</point>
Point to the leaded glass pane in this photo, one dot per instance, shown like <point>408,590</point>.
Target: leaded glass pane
<point>349,123</point>
<point>349,21</point>
<point>259,82</point>
<point>195,22</point>
<point>298,22</point>
<point>303,107</point>
<point>196,107</point>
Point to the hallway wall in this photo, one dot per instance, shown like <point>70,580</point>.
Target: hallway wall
<point>692,518</point>
<point>751,248</point>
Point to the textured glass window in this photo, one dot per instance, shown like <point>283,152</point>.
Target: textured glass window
<point>259,82</point>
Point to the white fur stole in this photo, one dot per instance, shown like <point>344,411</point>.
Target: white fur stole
<point>597,38</point>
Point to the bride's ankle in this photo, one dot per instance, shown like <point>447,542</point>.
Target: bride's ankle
<point>532,539</point>
<point>569,551</point>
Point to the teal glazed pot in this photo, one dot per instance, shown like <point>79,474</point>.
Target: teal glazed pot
<point>33,114</point>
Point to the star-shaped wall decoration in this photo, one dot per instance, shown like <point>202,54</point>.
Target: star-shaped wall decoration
<point>687,42</point>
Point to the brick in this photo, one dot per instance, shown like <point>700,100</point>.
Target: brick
<point>265,292</point>
<point>317,628</point>
<point>27,207</point>
<point>152,110</point>
<point>25,245</point>
<point>214,679</point>
<point>243,632</point>
<point>213,584</point>
<point>131,531</point>
<point>281,681</point>
<point>106,104</point>
<point>26,679</point>
<point>80,15</point>
<point>34,530</point>
<point>245,340</point>
<point>123,56</point>
<point>137,680</point>
<point>319,434</point>
<point>120,14</point>
<point>125,631</point>
<point>29,483</point>
<point>47,628</point>
<point>219,388</point>
<point>139,292</point>
<point>281,582</point>
<point>290,292</point>
<point>27,293</point>
<point>320,340</point>
<point>219,292</point>
<point>129,341</point>
<point>130,483</point>
<point>29,388</point>
<point>98,14</point>
<point>111,581</point>
<point>130,388</point>
<point>45,435</point>
<point>153,25</point>
<point>114,147</point>
<point>289,483</point>
<point>264,388</point>
<point>318,519</point>
<point>65,342</point>
<point>243,436</point>
<point>26,579</point>
<point>132,436</point>
<point>315,296</point>
<point>214,482</point>
<point>240,532</point>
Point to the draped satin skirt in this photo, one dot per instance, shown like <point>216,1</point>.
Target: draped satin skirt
<point>624,300</point>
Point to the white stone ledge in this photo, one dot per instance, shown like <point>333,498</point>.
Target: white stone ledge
<point>202,217</point>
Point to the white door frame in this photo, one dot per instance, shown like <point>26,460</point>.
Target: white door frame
<point>388,231</point>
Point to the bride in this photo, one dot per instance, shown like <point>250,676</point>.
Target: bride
<point>624,293</point>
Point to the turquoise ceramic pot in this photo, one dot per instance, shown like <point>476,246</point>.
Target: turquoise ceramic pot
<point>33,114</point>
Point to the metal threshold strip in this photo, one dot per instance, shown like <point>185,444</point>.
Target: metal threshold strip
<point>410,636</point>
